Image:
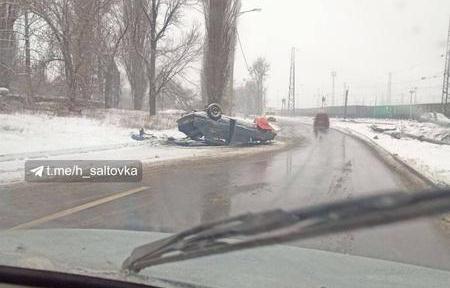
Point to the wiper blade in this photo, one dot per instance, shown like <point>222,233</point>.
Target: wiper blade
<point>278,226</point>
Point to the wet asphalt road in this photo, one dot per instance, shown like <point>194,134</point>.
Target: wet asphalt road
<point>175,197</point>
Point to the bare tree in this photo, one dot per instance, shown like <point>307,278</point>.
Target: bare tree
<point>173,60</point>
<point>26,30</point>
<point>111,30</point>
<point>133,49</point>
<point>36,51</point>
<point>246,96</point>
<point>164,62</point>
<point>259,71</point>
<point>59,17</point>
<point>174,95</point>
<point>8,16</point>
<point>83,39</point>
<point>72,24</point>
<point>84,26</point>
<point>218,62</point>
<point>28,57</point>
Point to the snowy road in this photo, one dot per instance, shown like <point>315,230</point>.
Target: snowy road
<point>177,196</point>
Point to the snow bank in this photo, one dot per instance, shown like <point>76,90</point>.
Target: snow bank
<point>422,131</point>
<point>434,117</point>
<point>431,160</point>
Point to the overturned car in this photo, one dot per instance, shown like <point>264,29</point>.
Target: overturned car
<point>214,128</point>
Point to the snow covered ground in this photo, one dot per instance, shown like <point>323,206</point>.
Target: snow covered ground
<point>430,159</point>
<point>22,133</point>
<point>423,131</point>
<point>40,136</point>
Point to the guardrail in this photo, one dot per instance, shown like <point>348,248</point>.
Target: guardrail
<point>382,111</point>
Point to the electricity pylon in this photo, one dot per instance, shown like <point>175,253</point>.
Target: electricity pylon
<point>445,84</point>
<point>291,95</point>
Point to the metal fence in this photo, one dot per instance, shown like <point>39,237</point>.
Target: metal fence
<point>382,111</point>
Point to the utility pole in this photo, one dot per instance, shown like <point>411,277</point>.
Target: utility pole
<point>412,91</point>
<point>345,102</point>
<point>415,95</point>
<point>291,95</point>
<point>445,84</point>
<point>317,97</point>
<point>389,88</point>
<point>343,94</point>
<point>333,78</point>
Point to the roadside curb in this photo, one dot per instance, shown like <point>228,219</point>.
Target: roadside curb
<point>228,153</point>
<point>395,162</point>
<point>390,159</point>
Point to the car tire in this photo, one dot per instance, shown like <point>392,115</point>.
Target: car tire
<point>214,111</point>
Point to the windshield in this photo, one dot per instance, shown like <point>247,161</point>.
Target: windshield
<point>126,119</point>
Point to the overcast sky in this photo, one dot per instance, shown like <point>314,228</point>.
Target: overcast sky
<point>361,40</point>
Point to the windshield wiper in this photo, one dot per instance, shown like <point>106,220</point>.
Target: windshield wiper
<point>278,226</point>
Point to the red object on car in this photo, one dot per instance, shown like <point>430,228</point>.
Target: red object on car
<point>263,123</point>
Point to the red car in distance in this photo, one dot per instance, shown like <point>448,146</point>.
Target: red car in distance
<point>321,122</point>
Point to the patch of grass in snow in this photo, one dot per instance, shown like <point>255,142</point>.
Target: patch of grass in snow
<point>136,119</point>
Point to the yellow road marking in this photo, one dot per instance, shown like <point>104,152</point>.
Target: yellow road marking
<point>77,209</point>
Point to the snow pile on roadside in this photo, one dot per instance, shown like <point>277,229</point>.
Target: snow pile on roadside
<point>432,160</point>
<point>24,133</point>
<point>422,131</point>
<point>426,131</point>
<point>434,117</point>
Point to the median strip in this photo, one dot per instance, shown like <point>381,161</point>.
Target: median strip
<point>77,209</point>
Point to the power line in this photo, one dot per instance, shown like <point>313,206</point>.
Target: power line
<point>242,51</point>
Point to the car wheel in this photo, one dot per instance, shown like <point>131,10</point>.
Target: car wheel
<point>214,111</point>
